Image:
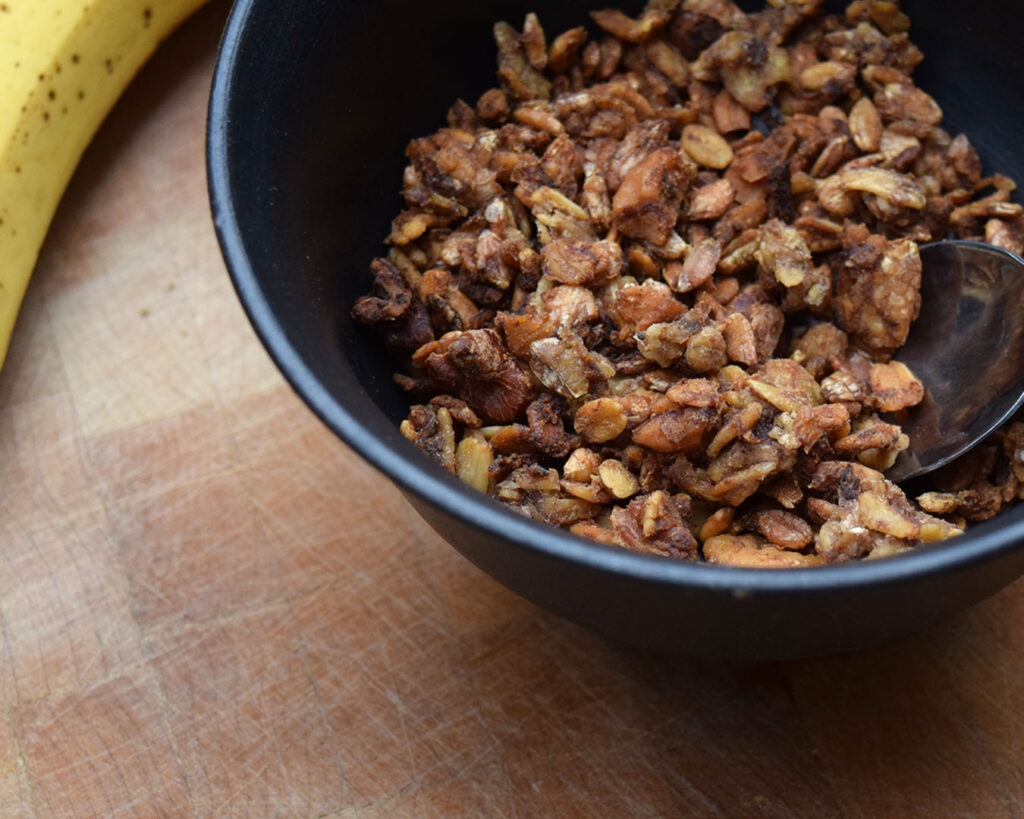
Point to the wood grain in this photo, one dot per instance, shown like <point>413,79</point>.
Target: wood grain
<point>211,607</point>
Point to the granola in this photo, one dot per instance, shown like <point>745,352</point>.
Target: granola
<point>649,287</point>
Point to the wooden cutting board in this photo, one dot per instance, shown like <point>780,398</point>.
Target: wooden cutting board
<point>210,606</point>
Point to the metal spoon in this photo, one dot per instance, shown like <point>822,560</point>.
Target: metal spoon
<point>967,348</point>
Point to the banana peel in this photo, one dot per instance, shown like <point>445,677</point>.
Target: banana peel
<point>63,65</point>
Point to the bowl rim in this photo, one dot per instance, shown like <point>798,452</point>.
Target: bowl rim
<point>415,474</point>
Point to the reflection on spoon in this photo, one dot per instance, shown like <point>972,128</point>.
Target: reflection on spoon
<point>967,348</point>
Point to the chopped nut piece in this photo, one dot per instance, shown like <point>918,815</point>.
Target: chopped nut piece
<point>844,538</point>
<point>595,196</point>
<point>783,253</point>
<point>563,365</point>
<point>538,118</point>
<point>626,28</point>
<point>678,430</point>
<point>521,331</point>
<point>717,522</point>
<point>825,421</point>
<point>564,48</point>
<point>589,529</point>
<point>742,467</point>
<point>458,409</point>
<point>647,203</point>
<point>784,489</point>
<point>694,392</point>
<point>567,308</point>
<point>910,109</point>
<point>666,343</point>
<point>873,434</point>
<point>523,80</point>
<point>619,480</point>
<point>557,215</point>
<point>493,106</point>
<point>894,387</point>
<point>789,384</point>
<point>476,366</point>
<point>636,307</point>
<point>981,502</point>
<point>751,552</point>
<point>513,439</point>
<point>823,341</point>
<point>698,268</point>
<point>547,432</point>
<point>843,387</point>
<point>537,492</point>
<point>879,516</point>
<point>711,200</point>
<point>637,145</point>
<point>402,318</point>
<point>740,342</point>
<point>572,261</point>
<point>784,529</point>
<point>767,322</point>
<point>999,233</point>
<point>693,30</point>
<point>878,290</point>
<point>729,115</point>
<point>655,524</point>
<point>448,306</point>
<point>430,428</point>
<point>885,14</point>
<point>706,351</point>
<point>738,424</point>
<point>581,465</point>
<point>747,66</point>
<point>821,511</point>
<point>534,42</point>
<point>843,481</point>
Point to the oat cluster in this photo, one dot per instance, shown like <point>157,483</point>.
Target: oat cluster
<point>649,287</point>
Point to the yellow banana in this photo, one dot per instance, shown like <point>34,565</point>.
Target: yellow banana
<point>63,65</point>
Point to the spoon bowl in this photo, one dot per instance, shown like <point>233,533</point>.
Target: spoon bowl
<point>967,348</point>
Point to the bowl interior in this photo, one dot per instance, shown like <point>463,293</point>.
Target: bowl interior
<point>314,104</point>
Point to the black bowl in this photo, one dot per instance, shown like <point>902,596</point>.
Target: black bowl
<point>312,105</point>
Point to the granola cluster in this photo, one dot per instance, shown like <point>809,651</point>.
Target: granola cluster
<point>650,286</point>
